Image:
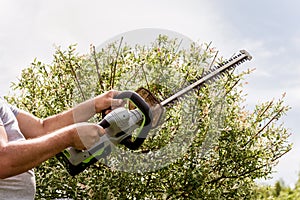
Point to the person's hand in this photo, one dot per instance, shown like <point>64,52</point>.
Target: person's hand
<point>86,135</point>
<point>106,101</point>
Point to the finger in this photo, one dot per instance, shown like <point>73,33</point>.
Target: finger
<point>107,111</point>
<point>113,93</point>
<point>115,103</point>
<point>101,131</point>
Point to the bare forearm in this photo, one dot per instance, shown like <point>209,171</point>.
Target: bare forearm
<point>80,113</point>
<point>20,156</point>
<point>33,127</point>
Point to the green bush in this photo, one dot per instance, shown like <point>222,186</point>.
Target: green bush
<point>209,147</point>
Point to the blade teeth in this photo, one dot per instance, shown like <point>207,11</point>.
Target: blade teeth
<point>246,57</point>
<point>226,62</point>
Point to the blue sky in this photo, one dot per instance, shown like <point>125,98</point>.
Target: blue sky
<point>266,28</point>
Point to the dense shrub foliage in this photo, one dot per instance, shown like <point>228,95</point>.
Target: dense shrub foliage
<point>209,146</point>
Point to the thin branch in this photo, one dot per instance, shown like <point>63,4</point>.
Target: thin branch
<point>113,74</point>
<point>75,77</point>
<point>267,124</point>
<point>244,174</point>
<point>213,61</point>
<point>207,47</point>
<point>93,49</point>
<point>77,82</point>
<point>279,156</point>
<point>266,109</point>
<point>231,88</point>
<point>178,46</point>
<point>145,76</point>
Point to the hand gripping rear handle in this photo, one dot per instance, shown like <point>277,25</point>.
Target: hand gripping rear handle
<point>141,104</point>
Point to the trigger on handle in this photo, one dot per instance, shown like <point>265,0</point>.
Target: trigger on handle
<point>104,111</point>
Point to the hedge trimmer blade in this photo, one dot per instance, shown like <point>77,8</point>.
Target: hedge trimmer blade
<point>157,106</point>
<point>216,71</point>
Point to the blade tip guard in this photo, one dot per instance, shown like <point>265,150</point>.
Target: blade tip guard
<point>249,57</point>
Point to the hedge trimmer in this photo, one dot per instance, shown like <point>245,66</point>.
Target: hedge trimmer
<point>142,113</point>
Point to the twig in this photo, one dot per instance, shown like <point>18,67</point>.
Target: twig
<point>178,46</point>
<point>213,61</point>
<point>235,176</point>
<point>77,82</point>
<point>97,66</point>
<point>113,74</point>
<point>73,73</point>
<point>266,109</point>
<point>144,72</point>
<point>267,124</point>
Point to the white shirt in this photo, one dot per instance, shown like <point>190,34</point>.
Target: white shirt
<point>23,185</point>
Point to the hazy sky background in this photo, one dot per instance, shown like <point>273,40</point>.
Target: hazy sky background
<point>268,29</point>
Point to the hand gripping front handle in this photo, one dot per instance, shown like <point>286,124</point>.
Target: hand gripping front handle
<point>144,108</point>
